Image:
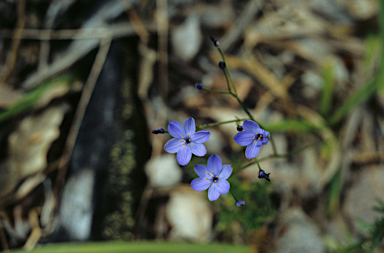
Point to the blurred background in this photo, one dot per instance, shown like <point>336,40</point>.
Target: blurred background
<point>83,83</point>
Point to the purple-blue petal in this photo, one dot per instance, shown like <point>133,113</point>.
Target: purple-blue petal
<point>251,126</point>
<point>265,139</point>
<point>184,155</point>
<point>200,137</point>
<point>215,164</point>
<point>190,126</point>
<point>252,151</point>
<point>225,172</point>
<point>201,170</point>
<point>200,184</point>
<point>244,138</point>
<point>173,145</point>
<point>213,193</point>
<point>176,130</point>
<point>198,149</point>
<point>222,186</point>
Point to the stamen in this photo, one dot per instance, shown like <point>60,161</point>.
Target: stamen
<point>206,178</point>
<point>210,182</point>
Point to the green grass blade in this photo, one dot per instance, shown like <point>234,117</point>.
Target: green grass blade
<point>290,126</point>
<point>327,89</point>
<point>30,99</point>
<point>137,247</point>
<point>356,98</point>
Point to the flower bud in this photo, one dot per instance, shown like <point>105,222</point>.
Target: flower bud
<point>262,174</point>
<point>215,42</point>
<point>198,85</point>
<point>239,128</point>
<point>240,203</point>
<point>222,64</point>
<point>158,131</point>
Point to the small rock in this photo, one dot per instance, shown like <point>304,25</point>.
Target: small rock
<point>296,233</point>
<point>189,215</point>
<point>186,39</point>
<point>163,171</point>
<point>361,197</point>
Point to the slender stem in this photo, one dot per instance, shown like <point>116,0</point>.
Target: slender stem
<point>274,146</point>
<point>243,107</point>
<point>219,123</point>
<point>216,91</point>
<point>226,78</point>
<point>257,162</point>
<point>229,72</point>
<point>295,152</point>
<point>233,195</point>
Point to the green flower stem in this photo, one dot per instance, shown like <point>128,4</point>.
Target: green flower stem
<point>274,146</point>
<point>295,152</point>
<point>243,107</point>
<point>229,72</point>
<point>233,195</point>
<point>257,162</point>
<point>217,91</point>
<point>219,123</point>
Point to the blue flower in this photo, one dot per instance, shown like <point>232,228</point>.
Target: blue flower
<point>214,176</point>
<point>240,203</point>
<point>186,141</point>
<point>253,137</point>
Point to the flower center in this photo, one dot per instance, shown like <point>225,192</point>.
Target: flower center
<point>186,140</point>
<point>213,177</point>
<point>258,137</point>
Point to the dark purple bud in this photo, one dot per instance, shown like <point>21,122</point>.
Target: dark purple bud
<point>240,203</point>
<point>158,131</point>
<point>198,85</point>
<point>239,128</point>
<point>262,174</point>
<point>222,64</point>
<point>214,40</point>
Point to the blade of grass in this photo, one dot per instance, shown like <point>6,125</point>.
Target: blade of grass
<point>290,125</point>
<point>30,99</point>
<point>137,247</point>
<point>356,98</point>
<point>327,89</point>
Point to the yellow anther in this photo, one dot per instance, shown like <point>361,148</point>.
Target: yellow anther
<point>207,173</point>
<point>182,137</point>
<point>213,172</point>
<point>206,178</point>
<point>210,182</point>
